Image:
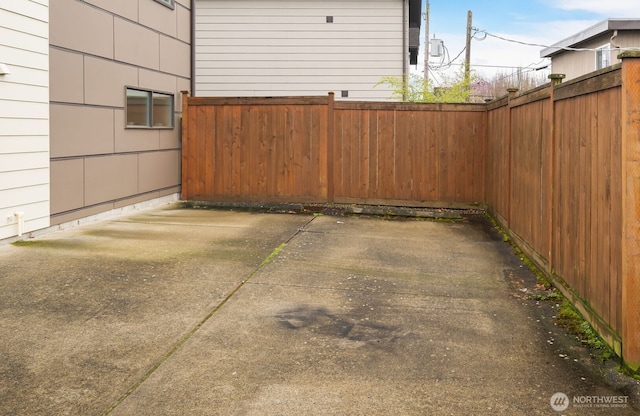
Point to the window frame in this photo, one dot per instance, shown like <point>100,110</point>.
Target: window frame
<point>600,54</point>
<point>149,109</point>
<point>167,3</point>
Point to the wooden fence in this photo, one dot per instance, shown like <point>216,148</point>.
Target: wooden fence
<point>316,150</point>
<point>408,154</point>
<point>561,179</point>
<point>559,167</point>
<point>254,149</point>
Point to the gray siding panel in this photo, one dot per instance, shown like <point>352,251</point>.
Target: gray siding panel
<point>98,48</point>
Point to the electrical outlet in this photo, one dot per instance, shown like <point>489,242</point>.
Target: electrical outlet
<point>10,219</point>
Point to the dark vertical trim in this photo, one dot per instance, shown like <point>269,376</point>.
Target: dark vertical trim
<point>405,49</point>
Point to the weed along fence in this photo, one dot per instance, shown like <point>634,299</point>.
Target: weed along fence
<point>558,167</point>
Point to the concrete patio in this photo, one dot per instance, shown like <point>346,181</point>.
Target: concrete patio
<point>177,311</point>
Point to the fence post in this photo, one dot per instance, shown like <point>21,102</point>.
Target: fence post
<point>512,93</point>
<point>184,189</point>
<point>630,208</point>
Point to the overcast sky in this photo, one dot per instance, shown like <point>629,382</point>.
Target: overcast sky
<point>530,21</point>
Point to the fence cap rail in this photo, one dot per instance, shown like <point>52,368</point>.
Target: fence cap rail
<point>401,106</point>
<point>213,101</point>
<point>602,79</point>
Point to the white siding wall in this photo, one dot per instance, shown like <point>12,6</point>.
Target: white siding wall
<point>283,48</point>
<point>24,115</point>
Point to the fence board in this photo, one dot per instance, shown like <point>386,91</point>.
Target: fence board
<point>433,154</point>
<point>497,160</point>
<point>373,156</point>
<point>588,225</point>
<point>299,149</point>
<point>610,101</point>
<point>202,138</point>
<point>365,154</point>
<point>419,160</point>
<point>404,175</point>
<point>597,289</point>
<point>245,152</point>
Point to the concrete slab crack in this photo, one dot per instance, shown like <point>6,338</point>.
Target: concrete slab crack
<point>195,329</point>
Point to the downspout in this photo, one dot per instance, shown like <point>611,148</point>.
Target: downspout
<point>612,40</point>
<point>193,48</point>
<point>613,44</point>
<point>405,34</point>
<point>20,217</point>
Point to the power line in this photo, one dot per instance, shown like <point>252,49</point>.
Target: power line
<point>449,62</point>
<point>565,48</point>
<point>442,65</point>
<point>502,66</point>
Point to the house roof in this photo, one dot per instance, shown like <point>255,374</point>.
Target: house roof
<point>598,29</point>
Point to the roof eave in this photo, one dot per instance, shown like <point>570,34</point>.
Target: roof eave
<point>589,33</point>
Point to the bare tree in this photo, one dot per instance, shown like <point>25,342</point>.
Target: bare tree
<point>523,80</point>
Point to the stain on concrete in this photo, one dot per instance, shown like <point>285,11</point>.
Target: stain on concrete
<point>320,321</point>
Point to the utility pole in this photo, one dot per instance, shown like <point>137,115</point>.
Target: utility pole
<point>426,44</point>
<point>467,57</point>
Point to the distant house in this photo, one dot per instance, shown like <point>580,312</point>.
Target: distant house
<point>480,90</point>
<point>304,47</point>
<point>600,42</point>
<point>89,107</point>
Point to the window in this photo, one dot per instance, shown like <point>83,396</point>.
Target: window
<point>168,3</point>
<point>149,109</point>
<point>603,56</point>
